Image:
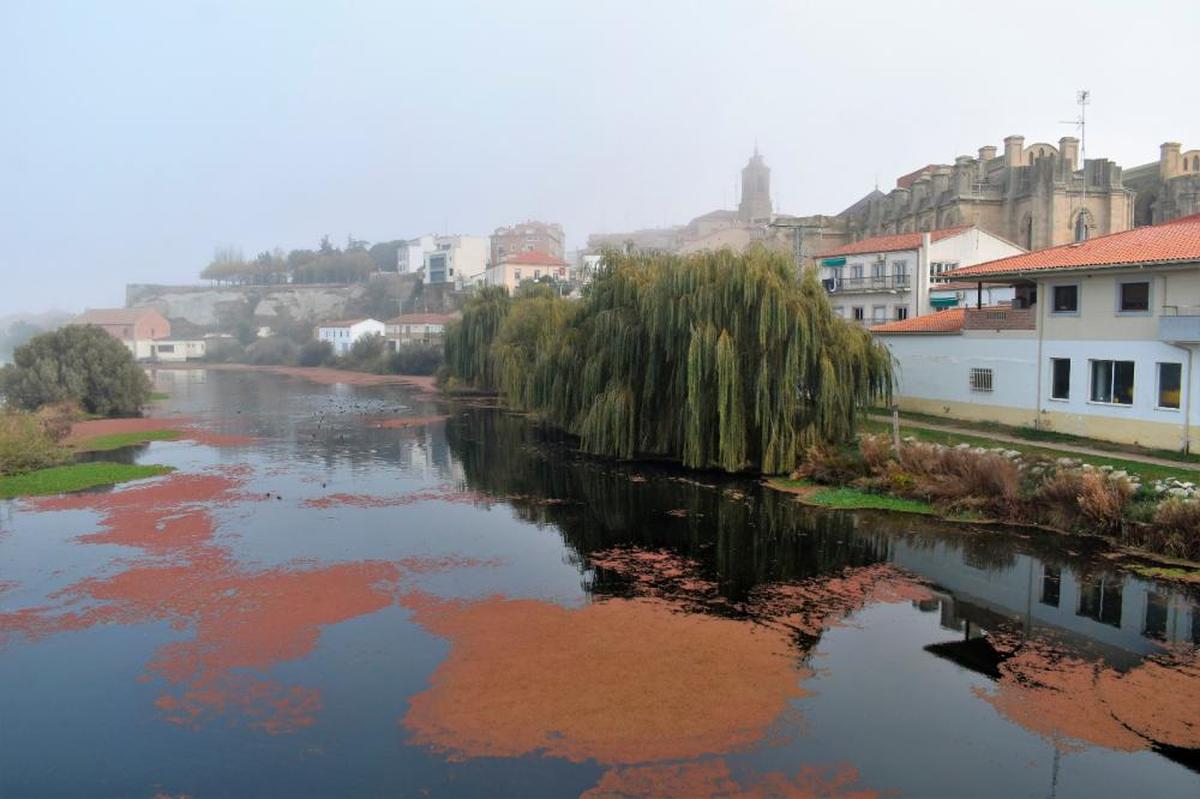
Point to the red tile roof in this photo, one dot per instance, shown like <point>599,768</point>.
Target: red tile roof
<point>534,259</point>
<point>112,316</point>
<point>423,319</point>
<point>947,321</point>
<point>1177,241</point>
<point>906,181</point>
<point>894,243</point>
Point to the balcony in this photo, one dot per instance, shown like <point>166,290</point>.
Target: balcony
<point>1179,324</point>
<point>848,285</point>
<point>1000,318</point>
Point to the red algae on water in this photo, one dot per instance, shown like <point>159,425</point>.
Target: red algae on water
<point>185,427</point>
<point>1075,702</point>
<point>712,779</point>
<point>618,681</point>
<point>444,493</point>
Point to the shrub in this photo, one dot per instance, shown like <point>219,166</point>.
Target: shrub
<point>832,465</point>
<point>225,350</point>
<point>963,479</point>
<point>876,451</point>
<point>25,445</point>
<point>80,364</point>
<point>1175,529</point>
<point>1084,500</point>
<point>273,351</point>
<point>416,360</point>
<point>56,420</point>
<point>316,353</point>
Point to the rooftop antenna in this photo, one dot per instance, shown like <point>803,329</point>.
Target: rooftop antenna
<point>1083,99</point>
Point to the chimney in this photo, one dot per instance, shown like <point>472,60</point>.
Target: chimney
<point>920,190</point>
<point>987,153</point>
<point>1168,160</point>
<point>1068,151</point>
<point>1013,145</point>
<point>941,180</point>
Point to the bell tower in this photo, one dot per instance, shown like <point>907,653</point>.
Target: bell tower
<point>756,190</point>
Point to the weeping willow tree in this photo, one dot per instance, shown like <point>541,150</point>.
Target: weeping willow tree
<point>716,359</point>
<point>469,341</point>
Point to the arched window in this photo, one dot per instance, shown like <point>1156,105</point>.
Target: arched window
<point>1196,163</point>
<point>1031,157</point>
<point>1027,232</point>
<point>1082,225</point>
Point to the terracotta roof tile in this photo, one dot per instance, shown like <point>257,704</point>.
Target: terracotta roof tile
<point>423,319</point>
<point>1170,242</point>
<point>894,243</point>
<point>947,321</point>
<point>112,316</point>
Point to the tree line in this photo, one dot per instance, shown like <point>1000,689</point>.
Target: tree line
<point>354,263</point>
<point>718,360</point>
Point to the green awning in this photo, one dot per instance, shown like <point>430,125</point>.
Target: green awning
<point>943,302</point>
<point>834,261</point>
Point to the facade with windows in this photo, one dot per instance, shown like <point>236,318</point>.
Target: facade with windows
<point>461,260</point>
<point>1106,347</point>
<point>891,278</point>
<point>344,333</point>
<point>527,266</point>
<point>416,329</point>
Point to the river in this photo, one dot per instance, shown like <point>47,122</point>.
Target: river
<point>368,591</point>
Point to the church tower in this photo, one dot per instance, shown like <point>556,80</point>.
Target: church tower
<point>756,190</point>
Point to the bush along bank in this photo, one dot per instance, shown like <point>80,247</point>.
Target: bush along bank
<point>1063,494</point>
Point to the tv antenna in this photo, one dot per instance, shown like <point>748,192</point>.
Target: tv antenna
<point>1083,98</point>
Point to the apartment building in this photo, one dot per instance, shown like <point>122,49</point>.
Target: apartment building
<point>889,278</point>
<point>1100,340</point>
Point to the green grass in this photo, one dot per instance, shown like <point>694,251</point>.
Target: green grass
<point>158,396</point>
<point>852,498</point>
<point>1147,471</point>
<point>77,476</point>
<point>118,440</point>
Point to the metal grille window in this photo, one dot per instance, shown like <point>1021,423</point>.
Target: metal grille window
<point>981,379</point>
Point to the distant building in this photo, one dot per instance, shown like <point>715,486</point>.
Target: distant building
<point>756,191</point>
<point>531,236</point>
<point>1168,188</point>
<point>410,257</point>
<point>887,278</point>
<point>1101,341</point>
<point>136,328</point>
<point>171,350</point>
<point>525,266</point>
<point>417,328</point>
<point>344,333</point>
<point>461,260</point>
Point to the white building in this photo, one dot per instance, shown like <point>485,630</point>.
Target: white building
<point>889,278</point>
<point>1100,341</point>
<point>343,333</point>
<point>519,267</point>
<point>461,260</point>
<point>410,257</point>
<point>178,349</point>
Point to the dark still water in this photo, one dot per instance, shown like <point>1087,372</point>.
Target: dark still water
<point>365,591</point>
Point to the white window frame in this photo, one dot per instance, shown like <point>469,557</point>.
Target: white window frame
<point>1070,369</point>
<point>1112,376</point>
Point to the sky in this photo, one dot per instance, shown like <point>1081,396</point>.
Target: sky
<point>137,137</point>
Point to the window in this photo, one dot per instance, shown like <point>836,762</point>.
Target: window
<point>1051,586</point>
<point>878,270</point>
<point>1112,382</point>
<point>901,312</point>
<point>166,347</point>
<point>1060,378</point>
<point>1134,297</point>
<point>1155,625</point>
<point>1081,226</point>
<point>856,271</point>
<point>981,379</point>
<point>1100,599</point>
<point>1065,299</point>
<point>1170,384</point>
<point>878,313</point>
<point>840,310</point>
<point>859,313</point>
<point>900,272</point>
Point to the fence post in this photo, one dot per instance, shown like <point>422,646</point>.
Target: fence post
<point>896,428</point>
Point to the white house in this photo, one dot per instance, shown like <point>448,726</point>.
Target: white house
<point>461,260</point>
<point>343,333</point>
<point>178,349</point>
<point>410,257</point>
<point>888,278</point>
<point>1100,341</point>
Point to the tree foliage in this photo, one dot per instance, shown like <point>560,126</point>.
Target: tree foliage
<point>80,364</point>
<point>716,359</point>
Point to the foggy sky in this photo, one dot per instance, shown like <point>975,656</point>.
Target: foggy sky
<point>135,137</point>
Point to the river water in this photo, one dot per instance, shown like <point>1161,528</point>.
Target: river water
<point>367,591</point>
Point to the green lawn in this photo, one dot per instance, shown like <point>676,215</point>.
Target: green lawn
<point>118,440</point>
<point>1147,471</point>
<point>851,498</point>
<point>158,396</point>
<point>74,477</point>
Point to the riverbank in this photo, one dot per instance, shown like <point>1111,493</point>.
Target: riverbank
<point>75,477</point>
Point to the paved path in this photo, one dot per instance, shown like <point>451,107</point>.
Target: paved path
<point>1072,449</point>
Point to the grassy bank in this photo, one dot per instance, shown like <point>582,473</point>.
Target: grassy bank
<point>74,477</point>
<point>118,440</point>
<point>846,498</point>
